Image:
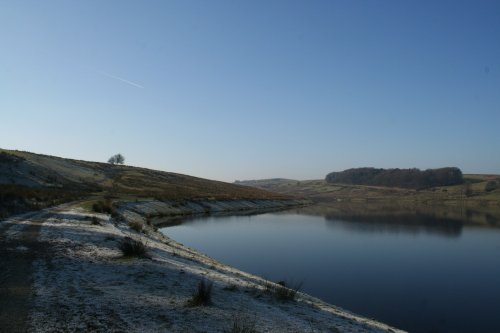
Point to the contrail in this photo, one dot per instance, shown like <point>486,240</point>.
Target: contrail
<point>121,79</point>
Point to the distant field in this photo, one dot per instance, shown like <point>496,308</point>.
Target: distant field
<point>474,191</point>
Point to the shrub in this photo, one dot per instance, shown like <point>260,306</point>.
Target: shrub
<point>133,248</point>
<point>103,207</point>
<point>95,220</point>
<point>202,295</point>
<point>283,291</point>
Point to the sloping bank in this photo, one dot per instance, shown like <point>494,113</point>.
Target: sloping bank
<point>85,282</point>
<point>240,296</point>
<point>161,212</point>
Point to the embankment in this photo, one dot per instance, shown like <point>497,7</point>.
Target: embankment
<point>157,212</point>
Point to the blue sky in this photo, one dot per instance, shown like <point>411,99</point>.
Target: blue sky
<point>254,89</point>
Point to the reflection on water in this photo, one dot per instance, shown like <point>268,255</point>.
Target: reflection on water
<point>411,224</point>
<point>423,270</point>
<point>394,218</point>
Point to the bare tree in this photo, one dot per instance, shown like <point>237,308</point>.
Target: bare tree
<point>117,159</point>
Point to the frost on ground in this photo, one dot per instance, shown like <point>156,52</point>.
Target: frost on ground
<point>86,285</point>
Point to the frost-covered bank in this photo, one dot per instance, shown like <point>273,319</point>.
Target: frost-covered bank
<point>83,282</point>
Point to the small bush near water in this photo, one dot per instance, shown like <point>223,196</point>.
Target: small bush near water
<point>133,248</point>
<point>202,295</point>
<point>283,291</point>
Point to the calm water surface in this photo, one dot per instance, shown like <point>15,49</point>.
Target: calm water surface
<point>422,275</point>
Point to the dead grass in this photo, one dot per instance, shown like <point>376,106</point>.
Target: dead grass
<point>136,225</point>
<point>133,248</point>
<point>243,324</point>
<point>231,287</point>
<point>203,294</point>
<point>283,291</point>
<point>15,199</point>
<point>128,181</point>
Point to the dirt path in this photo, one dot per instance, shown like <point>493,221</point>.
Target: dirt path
<point>18,248</point>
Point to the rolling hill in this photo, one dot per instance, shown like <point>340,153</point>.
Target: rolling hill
<point>476,190</point>
<point>29,181</point>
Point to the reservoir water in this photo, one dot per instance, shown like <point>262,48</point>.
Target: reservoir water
<point>416,272</point>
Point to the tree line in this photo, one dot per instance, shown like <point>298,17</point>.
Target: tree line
<point>406,178</point>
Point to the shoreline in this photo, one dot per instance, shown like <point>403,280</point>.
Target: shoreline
<point>165,213</point>
<point>83,282</point>
<point>262,206</point>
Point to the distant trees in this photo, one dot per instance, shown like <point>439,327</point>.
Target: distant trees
<point>117,159</point>
<point>406,178</point>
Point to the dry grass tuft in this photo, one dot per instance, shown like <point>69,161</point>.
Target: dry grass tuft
<point>133,248</point>
<point>242,324</point>
<point>202,295</point>
<point>136,225</point>
<point>282,290</point>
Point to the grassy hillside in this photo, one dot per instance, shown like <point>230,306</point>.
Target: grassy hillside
<point>266,183</point>
<point>477,190</point>
<point>29,180</point>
